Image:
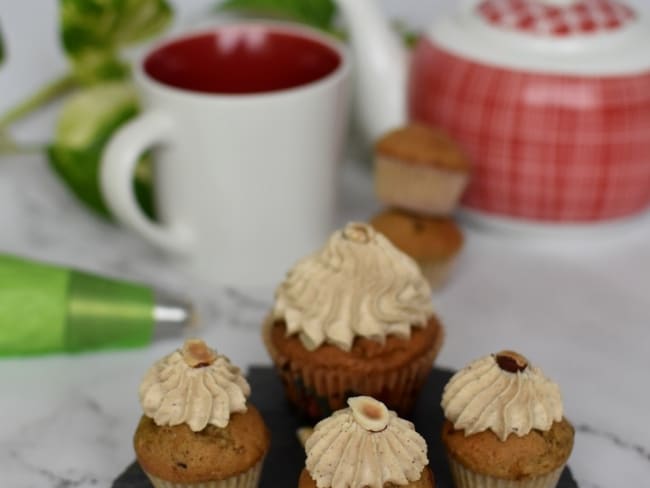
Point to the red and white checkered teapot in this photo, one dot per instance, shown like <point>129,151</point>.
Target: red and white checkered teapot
<point>550,99</point>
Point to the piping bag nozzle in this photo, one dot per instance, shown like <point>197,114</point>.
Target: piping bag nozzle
<point>46,308</point>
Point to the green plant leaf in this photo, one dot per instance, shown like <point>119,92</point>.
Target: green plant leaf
<point>94,31</point>
<point>317,13</point>
<point>85,124</point>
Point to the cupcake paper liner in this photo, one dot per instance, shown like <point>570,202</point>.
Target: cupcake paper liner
<point>247,479</point>
<point>319,391</point>
<point>466,478</point>
<point>428,190</point>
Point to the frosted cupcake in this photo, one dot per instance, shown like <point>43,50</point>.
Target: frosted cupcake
<point>354,318</point>
<point>365,446</point>
<point>505,426</point>
<point>197,428</point>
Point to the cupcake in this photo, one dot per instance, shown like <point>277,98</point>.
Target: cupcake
<point>419,168</point>
<point>355,318</point>
<point>197,428</point>
<point>365,446</point>
<point>504,426</point>
<point>434,242</point>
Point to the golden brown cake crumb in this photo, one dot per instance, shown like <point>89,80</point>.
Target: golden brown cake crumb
<point>535,454</point>
<point>434,242</point>
<point>420,169</point>
<point>421,237</point>
<point>422,145</point>
<point>176,454</point>
<point>319,382</point>
<point>367,356</point>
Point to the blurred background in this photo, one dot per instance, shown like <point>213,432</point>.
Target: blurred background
<point>34,54</point>
<point>579,306</point>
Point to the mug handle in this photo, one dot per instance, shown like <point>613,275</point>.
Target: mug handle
<point>116,179</point>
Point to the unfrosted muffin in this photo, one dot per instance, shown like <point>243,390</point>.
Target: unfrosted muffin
<point>421,169</point>
<point>197,428</point>
<point>366,446</point>
<point>434,242</point>
<point>354,318</point>
<point>505,426</point>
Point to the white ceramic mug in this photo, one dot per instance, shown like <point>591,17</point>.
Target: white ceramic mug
<point>247,121</point>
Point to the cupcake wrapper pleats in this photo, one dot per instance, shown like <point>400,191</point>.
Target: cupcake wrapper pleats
<point>247,479</point>
<point>318,391</point>
<point>465,478</point>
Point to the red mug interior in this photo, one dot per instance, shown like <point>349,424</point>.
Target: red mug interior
<point>242,59</point>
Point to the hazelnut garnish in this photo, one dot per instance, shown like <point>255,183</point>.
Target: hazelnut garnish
<point>197,354</point>
<point>357,232</point>
<point>303,434</point>
<point>511,361</point>
<point>371,414</point>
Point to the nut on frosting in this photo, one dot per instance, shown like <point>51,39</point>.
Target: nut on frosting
<point>365,446</point>
<point>357,285</point>
<point>504,393</point>
<point>193,385</point>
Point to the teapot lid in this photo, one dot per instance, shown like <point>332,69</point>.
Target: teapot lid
<point>558,18</point>
<point>583,37</point>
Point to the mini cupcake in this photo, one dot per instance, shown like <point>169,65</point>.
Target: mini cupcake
<point>366,446</point>
<point>419,168</point>
<point>504,426</point>
<point>355,318</point>
<point>434,242</point>
<point>197,429</point>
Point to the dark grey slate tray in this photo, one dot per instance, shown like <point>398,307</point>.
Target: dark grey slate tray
<point>287,458</point>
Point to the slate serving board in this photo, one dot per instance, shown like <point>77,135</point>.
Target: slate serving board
<point>287,458</point>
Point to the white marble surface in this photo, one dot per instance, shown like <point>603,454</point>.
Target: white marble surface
<point>579,308</point>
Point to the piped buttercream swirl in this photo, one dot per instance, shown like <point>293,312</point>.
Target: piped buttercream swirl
<point>365,446</point>
<point>503,393</point>
<point>193,385</point>
<point>357,285</point>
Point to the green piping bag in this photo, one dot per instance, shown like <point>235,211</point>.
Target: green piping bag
<point>46,308</point>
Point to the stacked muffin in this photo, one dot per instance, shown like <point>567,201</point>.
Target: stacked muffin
<point>420,174</point>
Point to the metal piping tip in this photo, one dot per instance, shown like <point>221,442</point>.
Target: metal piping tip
<point>172,315</point>
<point>164,314</point>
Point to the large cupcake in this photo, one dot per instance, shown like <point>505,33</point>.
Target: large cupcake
<point>366,446</point>
<point>354,318</point>
<point>505,426</point>
<point>198,429</point>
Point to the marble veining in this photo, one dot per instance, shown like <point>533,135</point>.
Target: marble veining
<point>35,446</point>
<point>630,447</point>
<point>637,455</point>
<point>578,308</point>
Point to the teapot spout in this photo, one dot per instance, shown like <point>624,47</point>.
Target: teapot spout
<point>380,67</point>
